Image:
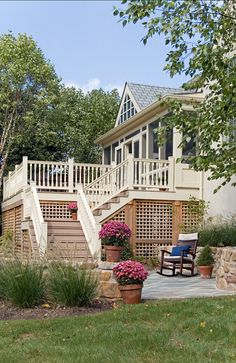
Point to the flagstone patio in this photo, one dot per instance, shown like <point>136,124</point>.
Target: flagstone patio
<point>161,287</point>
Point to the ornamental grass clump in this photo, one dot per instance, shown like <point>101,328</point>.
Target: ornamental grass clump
<point>22,284</point>
<point>72,286</point>
<point>130,273</point>
<point>115,233</point>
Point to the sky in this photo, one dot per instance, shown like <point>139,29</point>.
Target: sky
<point>88,45</point>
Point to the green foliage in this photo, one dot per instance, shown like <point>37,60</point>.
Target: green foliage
<point>28,84</point>
<point>205,257</point>
<point>126,253</point>
<point>195,213</point>
<point>200,36</point>
<point>7,243</point>
<point>68,128</point>
<point>219,235</point>
<point>22,284</point>
<point>72,286</point>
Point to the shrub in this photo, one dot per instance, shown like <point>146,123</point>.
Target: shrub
<point>72,286</point>
<point>115,233</point>
<point>22,284</point>
<point>130,272</point>
<point>205,257</point>
<point>218,235</point>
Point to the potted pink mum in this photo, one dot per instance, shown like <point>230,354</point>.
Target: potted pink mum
<point>72,206</point>
<point>114,235</point>
<point>130,276</point>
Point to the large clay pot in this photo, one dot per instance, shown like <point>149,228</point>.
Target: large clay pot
<point>131,294</point>
<point>113,253</point>
<point>205,271</point>
<point>74,215</point>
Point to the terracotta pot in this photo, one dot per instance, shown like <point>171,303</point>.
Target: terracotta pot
<point>74,215</point>
<point>205,271</point>
<point>113,253</point>
<point>131,294</point>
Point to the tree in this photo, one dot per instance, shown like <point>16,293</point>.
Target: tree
<point>28,86</point>
<point>200,37</point>
<point>68,128</point>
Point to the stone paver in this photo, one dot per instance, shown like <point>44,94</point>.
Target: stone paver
<point>161,287</point>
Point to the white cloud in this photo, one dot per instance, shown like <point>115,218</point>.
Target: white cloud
<point>95,83</point>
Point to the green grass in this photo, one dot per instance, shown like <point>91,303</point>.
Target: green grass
<point>198,330</point>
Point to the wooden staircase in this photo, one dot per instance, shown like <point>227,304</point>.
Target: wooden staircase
<point>102,212</point>
<point>66,241</point>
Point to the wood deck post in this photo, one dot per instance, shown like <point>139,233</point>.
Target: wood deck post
<point>70,175</point>
<point>171,173</point>
<point>130,172</point>
<point>25,171</point>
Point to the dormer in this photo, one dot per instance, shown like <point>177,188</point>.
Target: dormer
<point>136,97</point>
<point>128,106</point>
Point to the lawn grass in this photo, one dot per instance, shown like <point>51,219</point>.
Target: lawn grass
<point>194,330</point>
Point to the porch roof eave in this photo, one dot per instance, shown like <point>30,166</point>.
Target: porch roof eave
<point>142,116</point>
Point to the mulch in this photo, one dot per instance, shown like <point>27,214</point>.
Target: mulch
<point>48,311</point>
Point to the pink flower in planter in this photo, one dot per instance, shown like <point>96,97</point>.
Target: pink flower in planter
<point>72,206</point>
<point>130,272</point>
<point>115,233</point>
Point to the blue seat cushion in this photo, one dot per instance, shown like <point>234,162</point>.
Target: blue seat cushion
<point>176,251</point>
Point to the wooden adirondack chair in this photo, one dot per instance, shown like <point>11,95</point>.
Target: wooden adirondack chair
<point>180,258</point>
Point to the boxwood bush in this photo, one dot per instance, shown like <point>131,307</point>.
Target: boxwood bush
<point>219,235</point>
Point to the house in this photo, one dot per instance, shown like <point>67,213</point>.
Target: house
<point>139,182</point>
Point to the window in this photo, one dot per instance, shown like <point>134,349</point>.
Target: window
<point>189,146</point>
<point>128,110</point>
<point>107,155</point>
<point>153,140</point>
<point>113,150</point>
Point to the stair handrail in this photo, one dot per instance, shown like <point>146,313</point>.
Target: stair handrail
<point>109,184</point>
<point>88,223</point>
<point>33,211</point>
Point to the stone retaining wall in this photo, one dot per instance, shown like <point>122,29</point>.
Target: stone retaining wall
<point>226,268</point>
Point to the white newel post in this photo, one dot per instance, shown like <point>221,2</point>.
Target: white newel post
<point>171,173</point>
<point>25,171</point>
<point>130,171</point>
<point>70,175</point>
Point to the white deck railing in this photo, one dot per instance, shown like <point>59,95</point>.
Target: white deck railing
<point>33,211</point>
<point>100,182</point>
<point>88,223</point>
<point>108,185</point>
<point>48,175</point>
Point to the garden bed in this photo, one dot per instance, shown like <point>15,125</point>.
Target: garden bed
<point>48,311</point>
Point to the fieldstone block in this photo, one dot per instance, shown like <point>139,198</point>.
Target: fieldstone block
<point>233,257</point>
<point>231,279</point>
<point>221,283</point>
<point>110,290</point>
<point>227,254</point>
<point>106,275</point>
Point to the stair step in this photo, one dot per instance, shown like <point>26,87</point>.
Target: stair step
<point>97,212</point>
<point>124,193</point>
<point>114,200</point>
<point>63,223</point>
<point>67,239</point>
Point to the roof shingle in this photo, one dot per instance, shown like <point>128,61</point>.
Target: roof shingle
<point>145,95</point>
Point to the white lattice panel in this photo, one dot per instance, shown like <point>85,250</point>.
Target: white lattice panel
<point>55,210</point>
<point>154,220</point>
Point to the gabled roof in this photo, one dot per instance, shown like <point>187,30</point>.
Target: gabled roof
<point>145,95</point>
